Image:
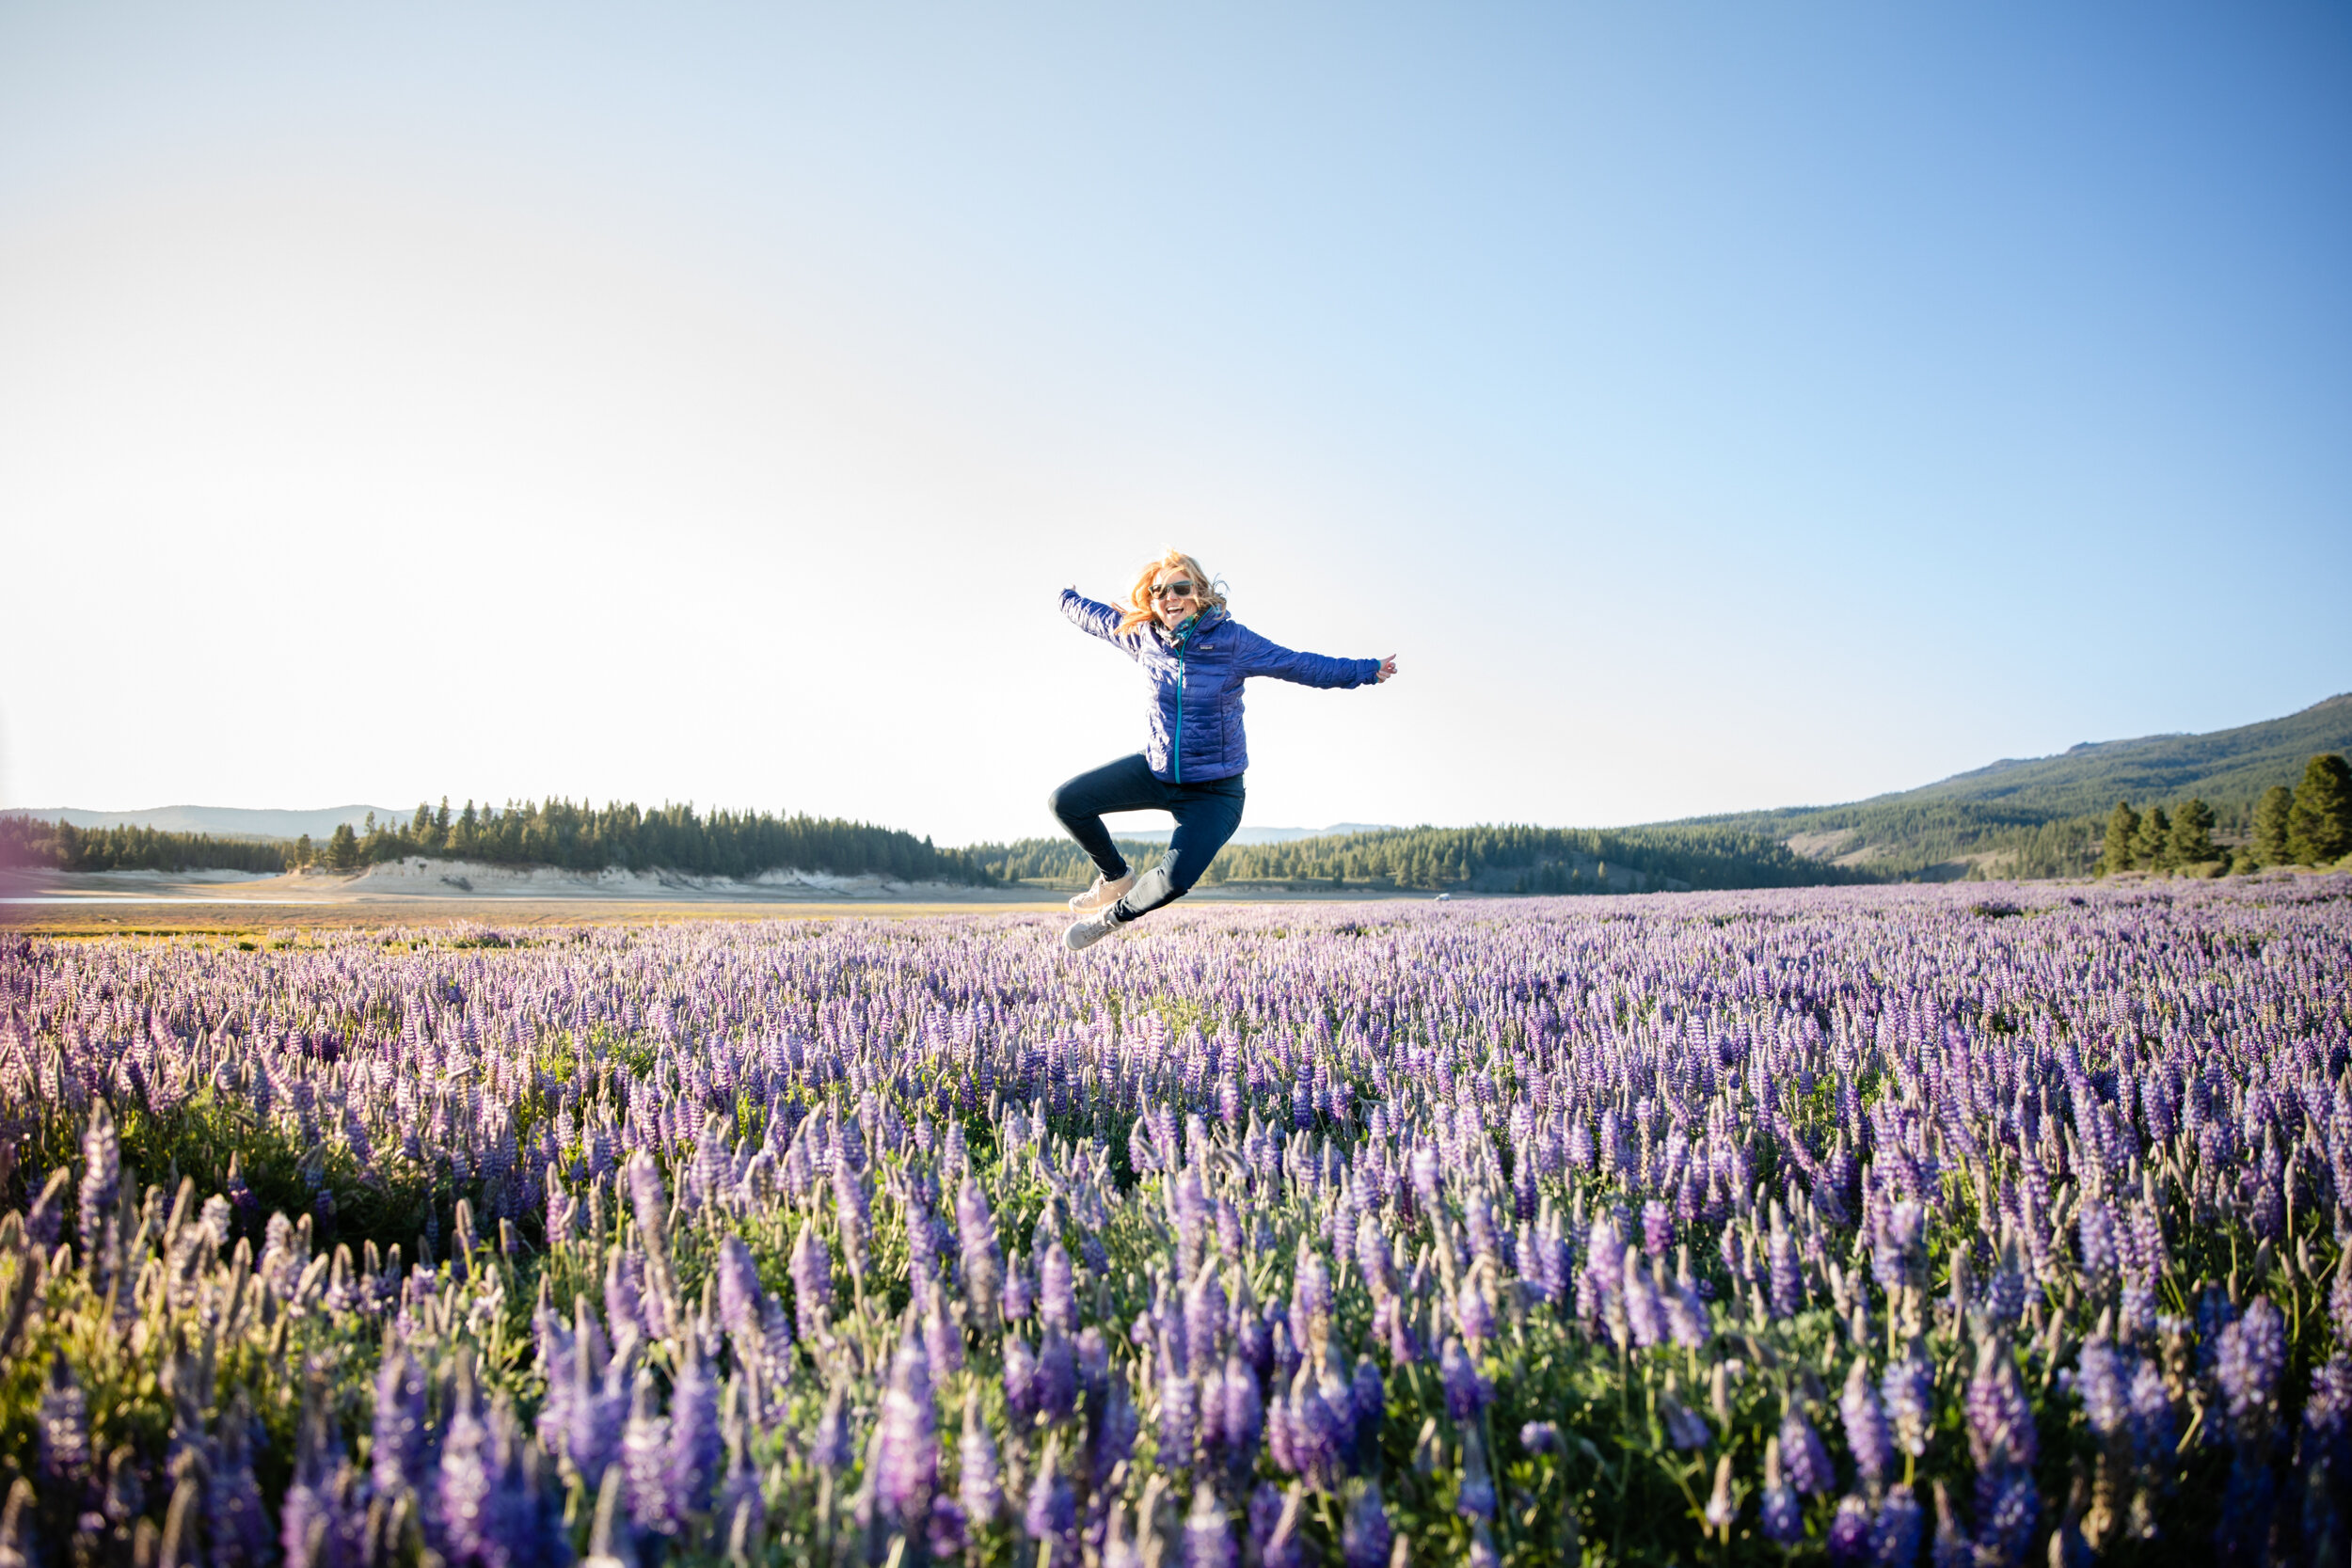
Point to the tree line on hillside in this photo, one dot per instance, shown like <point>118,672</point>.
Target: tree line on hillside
<point>2309,824</point>
<point>1917,836</point>
<point>1505,859</point>
<point>1052,860</point>
<point>552,832</point>
<point>1911,838</point>
<point>1442,857</point>
<point>582,837</point>
<point>26,841</point>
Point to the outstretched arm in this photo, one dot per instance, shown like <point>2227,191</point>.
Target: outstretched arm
<point>1100,620</point>
<point>1283,664</point>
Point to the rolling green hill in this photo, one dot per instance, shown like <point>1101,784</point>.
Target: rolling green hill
<point>2042,817</point>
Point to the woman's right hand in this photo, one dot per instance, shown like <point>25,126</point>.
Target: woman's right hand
<point>1388,668</point>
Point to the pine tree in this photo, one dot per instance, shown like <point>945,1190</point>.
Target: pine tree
<point>303,852</point>
<point>2192,835</point>
<point>2152,846</point>
<point>2272,814</point>
<point>343,847</point>
<point>2123,828</point>
<point>2319,827</point>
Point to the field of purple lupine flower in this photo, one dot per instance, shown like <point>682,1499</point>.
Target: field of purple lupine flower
<point>1883,1225</point>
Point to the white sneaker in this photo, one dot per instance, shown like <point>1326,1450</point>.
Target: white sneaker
<point>1085,933</point>
<point>1102,894</point>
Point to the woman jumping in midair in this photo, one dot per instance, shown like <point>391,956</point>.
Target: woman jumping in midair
<point>1196,656</point>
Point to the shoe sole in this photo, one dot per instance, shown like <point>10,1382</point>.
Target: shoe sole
<point>1070,947</point>
<point>1081,906</point>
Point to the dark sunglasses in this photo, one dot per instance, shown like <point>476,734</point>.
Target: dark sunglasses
<point>1181,590</point>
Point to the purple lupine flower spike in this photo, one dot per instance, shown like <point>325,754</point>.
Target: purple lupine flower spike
<point>1908,1390</point>
<point>1052,1514</point>
<point>1020,1376</point>
<point>399,1452</point>
<point>1208,1535</point>
<point>1898,1530</point>
<point>596,1406</point>
<point>697,1445</point>
<point>2100,1371</point>
<point>2253,1353</point>
<point>1951,1548</point>
<point>1784,1518</point>
<point>1058,1300</point>
<point>812,1281</point>
<point>1056,1376</point>
<point>982,1257</point>
<point>648,1199</point>
<point>1866,1433</point>
<point>1850,1533</point>
<point>1474,1314</point>
<point>102,1184</point>
<point>1466,1392</point>
<point>239,1524</point>
<point>1804,1455</point>
<point>739,1300</point>
<point>853,1214</point>
<point>981,1480</point>
<point>2154,1427</point>
<point>1645,1315</point>
<point>1178,1414</point>
<point>45,1220</point>
<point>1243,1419</point>
<point>1657,1229</point>
<point>1019,1294</point>
<point>1786,1281</point>
<point>907,1454</point>
<point>831,1448</point>
<point>462,1501</point>
<point>1364,1532</point>
<point>645,1461</point>
<point>1686,1429</point>
<point>2000,1417</point>
<point>1475,1499</point>
<point>63,1427</point>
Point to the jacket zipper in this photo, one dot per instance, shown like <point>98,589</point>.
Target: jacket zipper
<point>1176,749</point>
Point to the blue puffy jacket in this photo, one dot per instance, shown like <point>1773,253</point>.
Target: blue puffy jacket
<point>1196,684</point>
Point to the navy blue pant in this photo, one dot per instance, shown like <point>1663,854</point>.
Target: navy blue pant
<point>1206,816</point>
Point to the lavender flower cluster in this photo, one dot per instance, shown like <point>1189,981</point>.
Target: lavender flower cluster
<point>1885,1225</point>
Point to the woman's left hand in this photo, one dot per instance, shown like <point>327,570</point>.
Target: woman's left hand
<point>1387,667</point>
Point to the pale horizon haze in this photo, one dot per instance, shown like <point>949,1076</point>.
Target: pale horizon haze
<point>1711,408</point>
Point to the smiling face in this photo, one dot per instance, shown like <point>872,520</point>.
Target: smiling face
<point>1175,596</point>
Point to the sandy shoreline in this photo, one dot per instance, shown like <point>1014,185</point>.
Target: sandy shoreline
<point>117,902</point>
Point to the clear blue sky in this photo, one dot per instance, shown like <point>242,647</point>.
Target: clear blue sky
<point>1711,406</point>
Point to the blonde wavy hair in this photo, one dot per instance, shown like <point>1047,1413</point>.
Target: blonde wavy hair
<point>1211,593</point>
